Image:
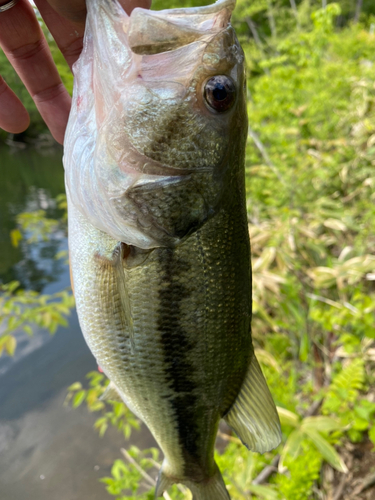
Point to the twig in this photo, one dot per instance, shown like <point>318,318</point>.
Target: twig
<point>358,9</point>
<point>271,18</point>
<point>148,478</point>
<point>330,302</point>
<point>267,471</point>
<point>254,32</point>
<point>313,409</point>
<point>258,143</point>
<point>367,482</point>
<point>340,488</point>
<point>295,11</point>
<point>258,41</point>
<point>226,437</point>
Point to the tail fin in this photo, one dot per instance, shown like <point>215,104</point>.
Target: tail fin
<point>212,488</point>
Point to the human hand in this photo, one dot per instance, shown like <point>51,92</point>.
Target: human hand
<point>24,44</point>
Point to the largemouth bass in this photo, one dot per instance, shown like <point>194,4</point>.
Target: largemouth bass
<point>158,234</point>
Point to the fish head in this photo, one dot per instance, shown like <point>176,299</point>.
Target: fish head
<point>166,119</point>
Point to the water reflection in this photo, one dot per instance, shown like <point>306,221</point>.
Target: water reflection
<point>34,265</point>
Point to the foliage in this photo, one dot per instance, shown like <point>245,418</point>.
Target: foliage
<point>35,226</point>
<point>114,413</point>
<point>23,309</point>
<point>345,400</point>
<point>303,474</point>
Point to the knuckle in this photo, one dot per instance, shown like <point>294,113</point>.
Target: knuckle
<point>27,51</point>
<point>49,94</point>
<point>3,86</point>
<point>73,49</point>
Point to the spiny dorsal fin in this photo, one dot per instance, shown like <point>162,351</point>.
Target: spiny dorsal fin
<point>253,415</point>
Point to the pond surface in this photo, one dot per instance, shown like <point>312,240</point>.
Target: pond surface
<point>47,450</point>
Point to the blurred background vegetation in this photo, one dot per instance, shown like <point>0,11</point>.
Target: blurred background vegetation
<point>311,210</point>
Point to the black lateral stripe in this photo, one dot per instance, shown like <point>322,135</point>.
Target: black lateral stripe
<point>176,345</point>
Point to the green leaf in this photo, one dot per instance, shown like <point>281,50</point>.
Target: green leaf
<point>11,345</point>
<point>365,409</point>
<point>78,399</point>
<point>266,492</point>
<point>321,424</point>
<point>267,359</point>
<point>99,422</point>
<point>288,417</point>
<point>304,347</point>
<point>28,330</point>
<point>360,424</point>
<point>98,405</point>
<point>119,469</point>
<point>327,451</point>
<point>15,237</point>
<point>291,447</point>
<point>75,387</point>
<point>102,429</point>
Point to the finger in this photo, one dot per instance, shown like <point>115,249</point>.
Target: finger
<point>67,34</point>
<point>13,116</point>
<point>129,5</point>
<point>66,22</point>
<point>75,10</point>
<point>26,48</point>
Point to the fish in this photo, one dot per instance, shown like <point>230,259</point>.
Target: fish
<point>158,234</point>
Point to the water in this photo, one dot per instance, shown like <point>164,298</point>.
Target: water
<point>47,450</point>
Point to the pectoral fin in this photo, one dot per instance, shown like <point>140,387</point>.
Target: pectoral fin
<point>122,289</point>
<point>253,415</point>
<point>112,280</point>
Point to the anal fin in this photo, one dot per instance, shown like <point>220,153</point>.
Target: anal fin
<point>253,415</point>
<point>163,483</point>
<point>111,393</point>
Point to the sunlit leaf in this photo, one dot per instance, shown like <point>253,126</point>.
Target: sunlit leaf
<point>267,359</point>
<point>321,423</point>
<point>327,450</point>
<point>10,345</point>
<point>291,448</point>
<point>16,237</point>
<point>78,398</point>
<point>288,417</point>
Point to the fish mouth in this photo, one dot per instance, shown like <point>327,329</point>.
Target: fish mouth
<point>153,32</point>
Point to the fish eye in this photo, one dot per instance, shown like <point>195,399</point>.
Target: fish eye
<point>220,93</point>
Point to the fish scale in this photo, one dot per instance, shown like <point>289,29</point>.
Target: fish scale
<point>185,375</point>
<point>158,233</point>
